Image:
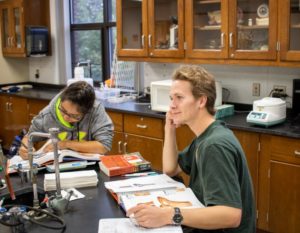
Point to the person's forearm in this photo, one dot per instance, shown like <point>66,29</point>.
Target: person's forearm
<point>83,146</point>
<point>214,217</point>
<point>170,153</point>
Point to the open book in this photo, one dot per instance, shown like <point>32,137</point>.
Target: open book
<point>41,158</point>
<point>160,190</point>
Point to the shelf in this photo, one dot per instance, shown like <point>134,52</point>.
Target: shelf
<point>209,2</point>
<point>208,27</point>
<point>254,27</point>
<point>295,26</point>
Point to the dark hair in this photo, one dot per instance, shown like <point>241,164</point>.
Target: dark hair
<point>81,94</point>
<point>202,83</point>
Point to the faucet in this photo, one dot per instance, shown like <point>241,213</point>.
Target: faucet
<point>57,202</point>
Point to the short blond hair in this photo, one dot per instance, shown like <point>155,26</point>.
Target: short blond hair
<point>202,83</point>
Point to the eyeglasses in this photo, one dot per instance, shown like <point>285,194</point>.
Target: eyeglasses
<point>76,117</point>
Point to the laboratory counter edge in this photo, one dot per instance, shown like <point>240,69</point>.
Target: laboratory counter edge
<point>236,121</point>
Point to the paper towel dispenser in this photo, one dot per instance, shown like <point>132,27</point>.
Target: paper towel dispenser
<point>37,40</point>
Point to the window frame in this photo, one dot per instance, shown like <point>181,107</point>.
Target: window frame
<point>106,45</point>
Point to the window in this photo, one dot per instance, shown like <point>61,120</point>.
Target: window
<point>93,35</point>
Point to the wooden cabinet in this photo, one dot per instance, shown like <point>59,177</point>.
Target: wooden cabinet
<point>136,133</point>
<point>14,118</point>
<point>250,144</point>
<point>243,32</point>
<point>15,16</point>
<point>34,107</point>
<point>151,28</point>
<point>279,182</point>
<point>289,30</point>
<point>16,114</point>
<point>231,29</point>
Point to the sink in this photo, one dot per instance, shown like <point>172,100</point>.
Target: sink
<point>23,197</point>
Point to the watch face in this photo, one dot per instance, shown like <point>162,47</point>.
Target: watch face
<point>177,218</point>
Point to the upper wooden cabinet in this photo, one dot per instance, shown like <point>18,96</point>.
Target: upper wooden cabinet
<point>231,29</point>
<point>15,16</point>
<point>289,32</point>
<point>259,32</point>
<point>153,28</point>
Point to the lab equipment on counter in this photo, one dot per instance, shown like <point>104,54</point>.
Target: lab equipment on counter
<point>79,73</point>
<point>267,112</point>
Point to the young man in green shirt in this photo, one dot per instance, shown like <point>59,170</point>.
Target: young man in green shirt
<point>215,162</point>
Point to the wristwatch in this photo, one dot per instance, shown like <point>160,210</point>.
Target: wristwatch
<point>177,218</point>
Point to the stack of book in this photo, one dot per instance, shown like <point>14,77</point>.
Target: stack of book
<point>77,179</point>
<point>159,190</point>
<point>115,165</point>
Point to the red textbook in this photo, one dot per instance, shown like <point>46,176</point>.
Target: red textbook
<point>115,165</point>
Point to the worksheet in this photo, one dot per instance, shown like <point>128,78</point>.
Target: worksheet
<point>125,225</point>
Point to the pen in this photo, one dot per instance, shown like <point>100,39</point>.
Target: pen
<point>141,174</point>
<point>23,144</point>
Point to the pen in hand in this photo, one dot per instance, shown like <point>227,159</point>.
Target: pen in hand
<point>23,144</point>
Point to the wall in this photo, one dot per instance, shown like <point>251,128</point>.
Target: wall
<point>237,79</point>
<point>13,70</point>
<point>54,69</point>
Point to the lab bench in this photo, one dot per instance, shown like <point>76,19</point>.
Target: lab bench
<point>272,153</point>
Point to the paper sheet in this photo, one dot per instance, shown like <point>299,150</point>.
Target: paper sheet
<point>124,225</point>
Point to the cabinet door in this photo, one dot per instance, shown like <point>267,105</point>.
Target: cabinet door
<point>250,143</point>
<point>252,29</point>
<point>34,107</point>
<point>206,29</point>
<point>284,204</point>
<point>150,148</point>
<point>14,118</point>
<point>117,144</point>
<point>13,38</point>
<point>166,28</point>
<point>132,28</point>
<point>289,24</point>
<point>5,28</point>
<point>4,101</point>
<point>152,28</point>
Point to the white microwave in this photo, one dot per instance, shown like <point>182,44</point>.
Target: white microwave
<point>160,95</point>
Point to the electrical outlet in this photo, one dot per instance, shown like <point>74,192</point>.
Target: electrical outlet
<point>256,89</point>
<point>37,73</point>
<point>280,89</point>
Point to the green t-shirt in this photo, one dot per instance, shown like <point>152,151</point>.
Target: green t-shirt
<point>219,173</point>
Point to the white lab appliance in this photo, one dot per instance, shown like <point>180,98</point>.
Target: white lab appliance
<point>160,95</point>
<point>267,112</point>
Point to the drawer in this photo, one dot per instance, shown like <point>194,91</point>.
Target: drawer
<point>285,149</point>
<point>145,126</point>
<point>117,119</point>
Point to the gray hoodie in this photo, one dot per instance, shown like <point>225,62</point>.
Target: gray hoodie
<point>96,125</point>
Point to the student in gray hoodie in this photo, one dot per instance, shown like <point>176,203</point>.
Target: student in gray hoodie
<point>83,124</point>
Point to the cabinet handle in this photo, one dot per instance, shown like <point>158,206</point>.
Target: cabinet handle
<point>10,107</point>
<point>7,106</point>
<point>143,41</point>
<point>222,39</point>
<point>141,126</point>
<point>12,41</point>
<point>149,41</point>
<point>125,148</point>
<point>297,153</point>
<point>230,40</point>
<point>119,146</point>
